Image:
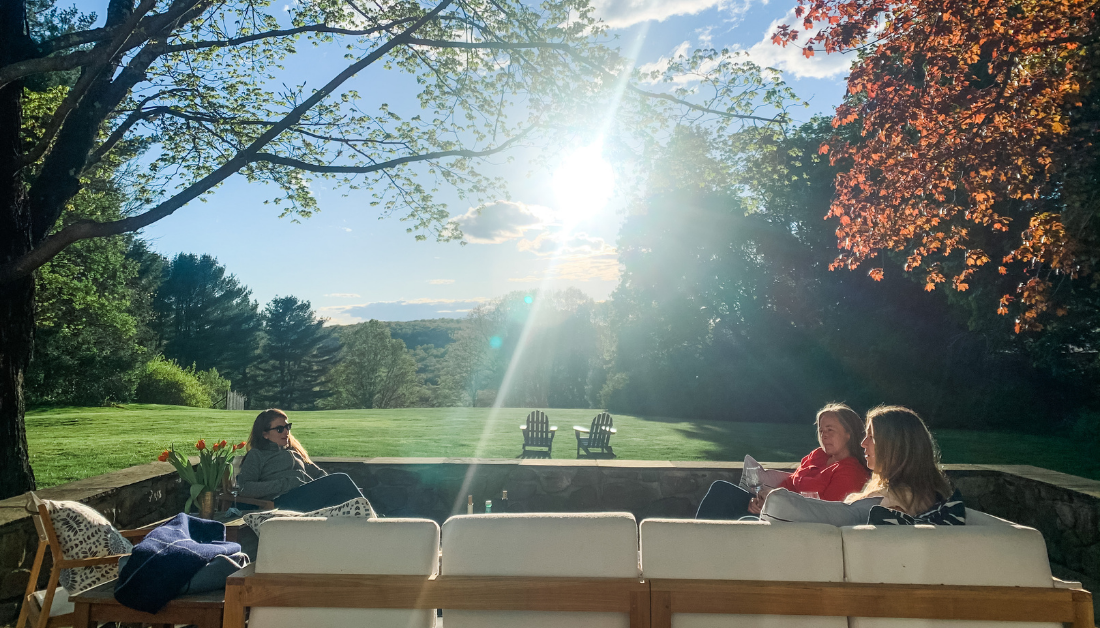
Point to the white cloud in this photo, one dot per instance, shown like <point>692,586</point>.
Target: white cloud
<point>440,282</point>
<point>342,295</point>
<point>790,59</point>
<point>501,221</point>
<point>575,257</point>
<point>661,64</point>
<point>401,310</point>
<point>623,13</point>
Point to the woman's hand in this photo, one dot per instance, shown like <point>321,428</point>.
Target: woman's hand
<point>757,503</point>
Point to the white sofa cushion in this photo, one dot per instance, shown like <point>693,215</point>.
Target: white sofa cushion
<point>346,546</point>
<point>737,550</point>
<point>595,545</point>
<point>981,555</point>
<point>979,518</point>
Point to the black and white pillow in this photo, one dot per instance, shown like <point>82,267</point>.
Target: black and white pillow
<point>358,507</point>
<point>946,513</point>
<point>84,533</point>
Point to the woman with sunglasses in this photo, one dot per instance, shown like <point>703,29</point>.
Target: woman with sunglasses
<point>278,468</point>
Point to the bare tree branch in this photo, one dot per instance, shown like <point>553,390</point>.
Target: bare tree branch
<point>52,245</point>
<point>313,28</point>
<point>60,63</point>
<point>488,45</point>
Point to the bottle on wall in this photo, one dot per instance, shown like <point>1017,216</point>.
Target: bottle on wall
<point>503,501</point>
<point>488,506</point>
<point>469,504</point>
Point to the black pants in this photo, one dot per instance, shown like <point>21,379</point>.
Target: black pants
<point>330,490</point>
<point>724,501</point>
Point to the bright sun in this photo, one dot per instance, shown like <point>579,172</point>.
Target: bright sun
<point>583,183</point>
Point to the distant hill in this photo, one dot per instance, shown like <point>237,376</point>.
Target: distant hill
<point>429,331</point>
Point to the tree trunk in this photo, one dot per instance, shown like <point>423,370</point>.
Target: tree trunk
<point>16,298</point>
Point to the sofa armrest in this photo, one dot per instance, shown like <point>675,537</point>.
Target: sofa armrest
<point>1066,584</point>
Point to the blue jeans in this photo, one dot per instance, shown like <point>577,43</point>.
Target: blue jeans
<point>330,490</point>
<point>724,501</point>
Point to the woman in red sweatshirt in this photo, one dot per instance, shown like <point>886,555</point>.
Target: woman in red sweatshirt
<point>832,471</point>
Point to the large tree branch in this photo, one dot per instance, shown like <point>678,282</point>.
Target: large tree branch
<point>488,45</point>
<point>90,74</point>
<point>54,244</point>
<point>382,165</point>
<point>313,28</point>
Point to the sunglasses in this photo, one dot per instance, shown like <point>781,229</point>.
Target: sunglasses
<point>280,428</point>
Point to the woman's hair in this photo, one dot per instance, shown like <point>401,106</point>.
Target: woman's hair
<point>263,422</point>
<point>852,424</point>
<point>907,458</point>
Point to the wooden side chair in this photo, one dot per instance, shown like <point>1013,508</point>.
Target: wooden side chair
<point>230,493</point>
<point>538,433</point>
<point>597,437</point>
<point>51,607</point>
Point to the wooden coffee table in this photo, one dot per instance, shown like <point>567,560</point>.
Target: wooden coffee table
<point>98,605</point>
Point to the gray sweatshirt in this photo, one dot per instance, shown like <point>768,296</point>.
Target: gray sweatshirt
<point>268,471</point>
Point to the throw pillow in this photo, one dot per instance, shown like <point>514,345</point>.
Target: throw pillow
<point>946,513</point>
<point>84,533</point>
<point>358,507</point>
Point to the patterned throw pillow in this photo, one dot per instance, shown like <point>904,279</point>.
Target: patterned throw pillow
<point>84,533</point>
<point>947,513</point>
<point>358,507</point>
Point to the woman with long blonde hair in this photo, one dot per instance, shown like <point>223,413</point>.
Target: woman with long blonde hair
<point>277,467</point>
<point>905,477</point>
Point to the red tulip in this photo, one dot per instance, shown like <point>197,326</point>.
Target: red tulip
<point>221,444</point>
<point>201,444</point>
<point>241,446</point>
<point>163,457</point>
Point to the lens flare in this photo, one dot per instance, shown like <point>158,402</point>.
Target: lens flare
<point>583,184</point>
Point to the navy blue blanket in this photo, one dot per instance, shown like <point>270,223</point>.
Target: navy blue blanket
<point>163,563</point>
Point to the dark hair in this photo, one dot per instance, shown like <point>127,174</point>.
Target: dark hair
<point>907,458</point>
<point>852,424</point>
<point>263,422</point>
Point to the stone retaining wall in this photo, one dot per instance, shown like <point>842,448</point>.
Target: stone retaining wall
<point>1065,508</point>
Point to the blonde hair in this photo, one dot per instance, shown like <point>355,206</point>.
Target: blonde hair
<point>852,424</point>
<point>907,460</point>
<point>263,423</point>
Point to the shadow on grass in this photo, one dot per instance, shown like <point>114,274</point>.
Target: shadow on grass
<point>733,440</point>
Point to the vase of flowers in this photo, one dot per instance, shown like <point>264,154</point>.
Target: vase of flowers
<point>205,477</point>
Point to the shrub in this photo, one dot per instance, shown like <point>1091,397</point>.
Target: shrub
<point>165,382</point>
<point>216,386</point>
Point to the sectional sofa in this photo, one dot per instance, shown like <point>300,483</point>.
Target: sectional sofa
<point>604,570</point>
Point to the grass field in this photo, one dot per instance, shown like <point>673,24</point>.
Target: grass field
<point>68,444</point>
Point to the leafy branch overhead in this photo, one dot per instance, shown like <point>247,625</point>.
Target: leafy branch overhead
<point>969,126</point>
<point>197,89</point>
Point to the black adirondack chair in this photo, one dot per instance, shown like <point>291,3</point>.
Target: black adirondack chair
<point>598,437</point>
<point>538,433</point>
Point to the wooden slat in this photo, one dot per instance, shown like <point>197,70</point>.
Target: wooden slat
<point>453,592</point>
<point>868,600</point>
<point>1082,609</point>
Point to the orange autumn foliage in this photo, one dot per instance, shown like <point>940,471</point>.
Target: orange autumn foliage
<point>961,110</point>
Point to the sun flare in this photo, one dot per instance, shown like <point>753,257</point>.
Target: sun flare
<point>583,184</point>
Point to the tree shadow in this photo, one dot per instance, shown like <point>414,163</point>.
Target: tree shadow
<point>732,440</point>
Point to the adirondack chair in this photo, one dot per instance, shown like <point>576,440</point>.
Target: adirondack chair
<point>596,437</point>
<point>538,432</point>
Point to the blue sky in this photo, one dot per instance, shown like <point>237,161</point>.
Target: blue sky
<point>352,265</point>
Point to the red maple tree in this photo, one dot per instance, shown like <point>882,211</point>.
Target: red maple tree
<point>965,111</point>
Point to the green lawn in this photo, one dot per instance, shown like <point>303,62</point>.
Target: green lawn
<point>71,443</point>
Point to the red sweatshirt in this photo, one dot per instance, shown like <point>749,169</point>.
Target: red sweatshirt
<point>832,482</point>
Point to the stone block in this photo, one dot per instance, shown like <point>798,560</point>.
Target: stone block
<point>13,546</point>
<point>9,612</point>
<point>388,499</point>
<point>584,499</point>
<point>612,473</point>
<point>1066,515</point>
<point>555,480</point>
<point>678,483</point>
<point>1086,528</point>
<point>521,491</point>
<point>586,476</point>
<point>390,476</point>
<point>629,496</point>
<point>671,508</point>
<point>14,584</point>
<point>522,474</point>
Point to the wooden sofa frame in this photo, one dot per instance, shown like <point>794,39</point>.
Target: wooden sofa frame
<point>651,603</point>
